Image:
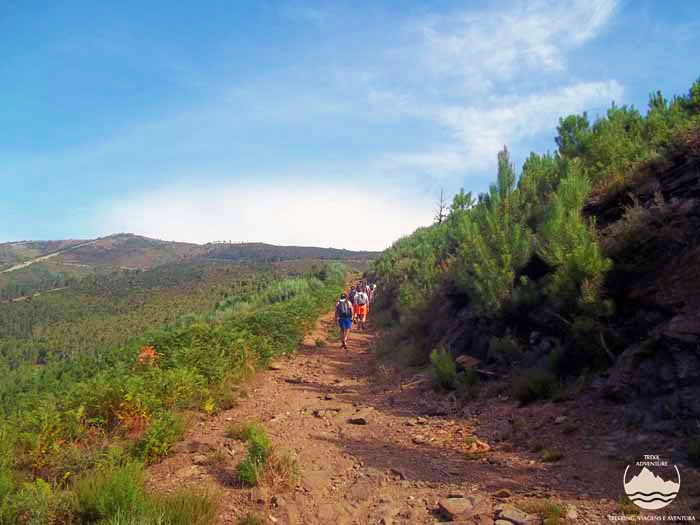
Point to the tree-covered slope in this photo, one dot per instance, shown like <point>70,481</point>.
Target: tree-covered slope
<point>586,257</point>
<point>77,426</point>
<point>57,264</point>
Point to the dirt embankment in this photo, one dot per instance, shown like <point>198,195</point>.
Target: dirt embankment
<point>375,445</point>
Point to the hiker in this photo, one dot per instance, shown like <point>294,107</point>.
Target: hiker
<point>343,316</point>
<point>351,298</point>
<point>351,294</point>
<point>361,300</point>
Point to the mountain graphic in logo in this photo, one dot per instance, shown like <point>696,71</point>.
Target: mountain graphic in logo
<point>649,491</point>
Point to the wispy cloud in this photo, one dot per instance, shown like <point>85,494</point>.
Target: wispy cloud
<point>495,76</point>
<point>495,43</point>
<point>288,153</point>
<point>482,130</point>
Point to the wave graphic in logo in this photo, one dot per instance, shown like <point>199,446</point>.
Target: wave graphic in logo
<point>649,491</point>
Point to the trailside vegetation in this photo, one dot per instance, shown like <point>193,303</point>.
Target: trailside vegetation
<point>525,254</point>
<point>79,425</point>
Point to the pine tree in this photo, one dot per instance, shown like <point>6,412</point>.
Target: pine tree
<point>568,243</point>
<point>496,243</point>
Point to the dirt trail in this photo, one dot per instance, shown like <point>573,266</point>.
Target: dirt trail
<point>45,257</point>
<point>412,451</point>
<point>37,294</point>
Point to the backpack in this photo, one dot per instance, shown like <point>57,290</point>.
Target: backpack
<point>361,298</point>
<point>343,309</point>
<point>351,296</point>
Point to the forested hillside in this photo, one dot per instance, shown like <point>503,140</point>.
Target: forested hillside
<point>584,266</point>
<point>251,252</point>
<point>96,378</point>
<point>18,252</point>
<point>106,309</point>
<point>31,267</point>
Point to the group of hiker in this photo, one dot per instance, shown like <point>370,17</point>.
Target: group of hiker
<point>353,307</point>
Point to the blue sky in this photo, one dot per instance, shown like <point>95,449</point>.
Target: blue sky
<point>331,123</point>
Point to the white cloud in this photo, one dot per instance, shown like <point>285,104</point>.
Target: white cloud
<point>292,212</point>
<point>430,109</point>
<point>503,42</point>
<point>483,130</point>
<point>495,77</point>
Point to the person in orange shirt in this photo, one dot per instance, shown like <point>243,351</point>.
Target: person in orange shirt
<point>361,302</point>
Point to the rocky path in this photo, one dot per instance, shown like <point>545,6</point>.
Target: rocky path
<point>45,257</point>
<point>375,446</point>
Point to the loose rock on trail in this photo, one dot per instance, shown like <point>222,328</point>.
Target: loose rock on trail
<point>376,445</point>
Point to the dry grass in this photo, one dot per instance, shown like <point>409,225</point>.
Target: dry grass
<point>627,507</point>
<point>551,512</point>
<point>551,456</point>
<point>637,224</point>
<point>251,519</point>
<point>281,473</point>
<point>264,464</point>
<point>384,373</point>
<point>241,431</point>
<point>218,458</point>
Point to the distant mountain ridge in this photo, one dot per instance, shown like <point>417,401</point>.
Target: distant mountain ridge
<point>126,250</point>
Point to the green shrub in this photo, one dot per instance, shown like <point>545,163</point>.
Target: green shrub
<point>551,512</point>
<point>259,445</point>
<point>117,495</point>
<point>504,350</point>
<point>7,478</point>
<point>7,482</point>
<point>554,514</point>
<point>185,507</point>
<point>533,385</point>
<point>105,493</point>
<point>587,335</point>
<point>243,431</point>
<point>262,463</point>
<point>249,472</point>
<point>34,503</point>
<point>159,439</point>
<point>251,468</point>
<point>467,384</point>
<point>444,369</point>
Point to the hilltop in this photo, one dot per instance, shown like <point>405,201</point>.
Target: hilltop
<point>126,250</point>
<point>28,267</point>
